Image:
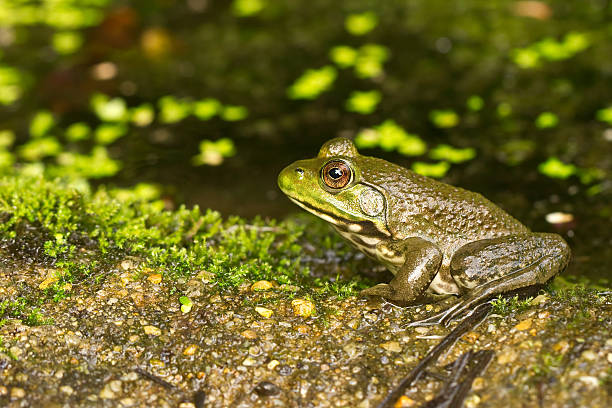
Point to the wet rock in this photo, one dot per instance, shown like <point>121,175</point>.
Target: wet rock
<point>17,393</point>
<point>303,307</point>
<point>261,286</point>
<point>266,389</point>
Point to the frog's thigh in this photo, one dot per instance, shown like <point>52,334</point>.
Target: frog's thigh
<point>498,265</point>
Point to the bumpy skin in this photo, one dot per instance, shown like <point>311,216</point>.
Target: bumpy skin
<point>435,238</point>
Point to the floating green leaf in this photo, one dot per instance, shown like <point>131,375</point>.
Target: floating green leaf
<point>555,168</point>
<point>78,131</point>
<point>363,102</point>
<point>109,110</point>
<point>142,115</point>
<point>504,109</point>
<point>213,153</point>
<point>246,8</point>
<point>312,83</point>
<point>95,165</point>
<point>41,123</point>
<point>343,56</point>
<point>435,170</point>
<point>605,115</point>
<point>174,110</point>
<point>206,108</point>
<point>107,133</point>
<point>361,23</point>
<point>546,120</point>
<point>7,138</point>
<point>451,154</point>
<point>37,149</point>
<point>67,42</point>
<point>234,113</point>
<point>390,136</point>
<point>444,118</point>
<point>475,103</point>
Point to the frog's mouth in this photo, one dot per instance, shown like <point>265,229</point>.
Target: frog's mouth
<point>362,227</point>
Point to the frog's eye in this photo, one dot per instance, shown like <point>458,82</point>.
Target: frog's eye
<point>336,174</point>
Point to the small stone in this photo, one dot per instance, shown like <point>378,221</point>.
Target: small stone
<point>506,356</point>
<point>187,405</point>
<point>249,361</point>
<point>524,325</point>
<point>110,390</point>
<point>152,330</point>
<point>471,337</point>
<point>155,278</point>
<point>561,347</point>
<point>589,381</point>
<point>206,276</point>
<point>544,315</point>
<point>303,307</point>
<point>354,324</point>
<point>404,402</point>
<point>249,334</point>
<point>156,362</point>
<point>609,342</point>
<point>610,358</point>
<point>421,330</point>
<point>478,384</point>
<point>126,265</point>
<point>3,390</point>
<point>538,300</point>
<point>302,329</point>
<point>589,355</point>
<point>263,311</point>
<point>127,402</point>
<point>472,401</point>
<point>17,393</point>
<point>190,350</point>
<point>266,389</point>
<point>49,280</point>
<point>392,346</point>
<point>261,286</point>
<point>429,308</point>
<point>273,364</point>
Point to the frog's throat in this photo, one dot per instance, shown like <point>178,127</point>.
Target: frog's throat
<point>367,228</point>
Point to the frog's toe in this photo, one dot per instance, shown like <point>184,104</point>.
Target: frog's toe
<point>382,289</point>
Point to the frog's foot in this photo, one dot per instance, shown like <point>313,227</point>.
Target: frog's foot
<point>382,289</point>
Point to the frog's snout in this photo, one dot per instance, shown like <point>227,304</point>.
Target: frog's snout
<point>292,178</point>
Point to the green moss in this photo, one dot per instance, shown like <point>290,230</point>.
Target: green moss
<point>83,235</point>
<point>506,305</point>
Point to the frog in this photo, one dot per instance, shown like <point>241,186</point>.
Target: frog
<point>438,240</point>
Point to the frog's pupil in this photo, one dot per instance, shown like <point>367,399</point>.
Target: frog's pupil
<point>335,173</point>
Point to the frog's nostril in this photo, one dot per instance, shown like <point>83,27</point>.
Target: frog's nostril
<point>299,171</point>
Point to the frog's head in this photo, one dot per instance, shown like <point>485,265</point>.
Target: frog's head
<point>331,186</point>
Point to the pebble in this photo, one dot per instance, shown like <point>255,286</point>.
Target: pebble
<point>524,325</point>
<point>561,347</point>
<point>66,389</point>
<point>590,381</point>
<point>266,389</point>
<point>152,330</point>
<point>404,402</point>
<point>187,405</point>
<point>610,358</point>
<point>249,334</point>
<point>155,278</point>
<point>263,311</point>
<point>261,286</point>
<point>273,364</point>
<point>303,307</point>
<point>421,329</point>
<point>110,390</point>
<point>3,390</point>
<point>190,350</point>
<point>17,392</point>
<point>249,362</point>
<point>506,356</point>
<point>392,346</point>
<point>589,355</point>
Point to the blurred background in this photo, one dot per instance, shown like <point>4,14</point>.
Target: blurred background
<point>204,102</point>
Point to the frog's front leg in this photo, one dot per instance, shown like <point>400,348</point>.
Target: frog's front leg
<point>490,267</point>
<point>414,262</point>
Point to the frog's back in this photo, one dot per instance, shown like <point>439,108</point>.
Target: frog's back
<point>449,215</point>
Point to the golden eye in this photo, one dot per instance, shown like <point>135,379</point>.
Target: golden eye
<point>336,174</point>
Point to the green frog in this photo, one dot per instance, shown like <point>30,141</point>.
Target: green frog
<point>436,239</point>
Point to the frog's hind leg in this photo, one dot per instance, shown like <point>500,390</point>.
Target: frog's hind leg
<point>490,267</point>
